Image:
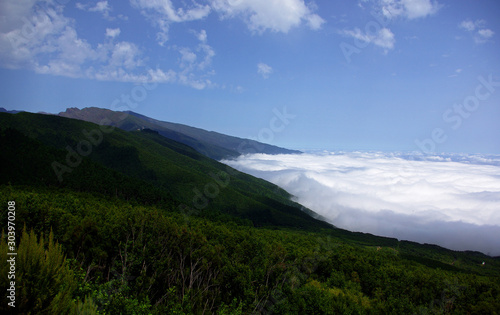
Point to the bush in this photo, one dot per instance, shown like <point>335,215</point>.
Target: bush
<point>43,280</point>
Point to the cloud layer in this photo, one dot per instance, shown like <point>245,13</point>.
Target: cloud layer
<point>452,201</point>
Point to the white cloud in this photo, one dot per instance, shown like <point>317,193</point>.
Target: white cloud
<point>167,11</point>
<point>468,25</point>
<point>209,53</point>
<point>314,21</point>
<point>162,13</point>
<point>125,54</point>
<point>389,10</point>
<point>202,36</point>
<point>100,7</point>
<point>187,57</point>
<point>44,33</point>
<point>11,10</point>
<point>383,38</point>
<point>81,6</point>
<point>481,34</point>
<point>112,32</point>
<point>456,73</point>
<point>47,42</point>
<point>259,15</point>
<point>274,15</point>
<point>451,201</point>
<point>471,26</point>
<point>419,8</point>
<point>410,9</point>
<point>195,63</point>
<point>190,79</point>
<point>264,70</point>
<point>159,75</point>
<point>485,33</point>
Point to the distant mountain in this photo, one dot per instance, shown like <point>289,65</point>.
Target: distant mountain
<point>212,144</point>
<point>3,110</point>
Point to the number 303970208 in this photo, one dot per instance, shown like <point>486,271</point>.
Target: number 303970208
<point>11,216</point>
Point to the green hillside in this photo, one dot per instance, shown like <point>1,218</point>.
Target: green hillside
<point>190,179</point>
<point>116,222</point>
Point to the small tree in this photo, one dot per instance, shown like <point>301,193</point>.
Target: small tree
<point>44,283</point>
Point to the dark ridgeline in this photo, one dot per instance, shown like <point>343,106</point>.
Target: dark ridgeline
<point>212,144</point>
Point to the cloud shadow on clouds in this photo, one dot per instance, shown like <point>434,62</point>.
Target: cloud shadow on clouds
<point>456,235</point>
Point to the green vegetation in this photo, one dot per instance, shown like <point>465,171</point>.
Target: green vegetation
<point>111,238</point>
<point>131,258</point>
<point>141,166</point>
<point>44,280</point>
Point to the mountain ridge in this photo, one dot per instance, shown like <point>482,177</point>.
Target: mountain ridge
<point>193,179</point>
<point>210,143</point>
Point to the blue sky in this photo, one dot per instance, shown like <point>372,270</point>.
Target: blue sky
<point>345,75</point>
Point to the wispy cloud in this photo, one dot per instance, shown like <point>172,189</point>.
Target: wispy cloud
<point>194,63</point>
<point>389,11</point>
<point>264,70</point>
<point>202,36</point>
<point>410,9</point>
<point>469,25</point>
<point>481,34</point>
<point>273,15</point>
<point>456,73</point>
<point>451,201</point>
<point>101,7</point>
<point>112,32</point>
<point>53,46</point>
<point>383,38</point>
<point>162,14</point>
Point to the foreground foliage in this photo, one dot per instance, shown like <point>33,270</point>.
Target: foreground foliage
<point>44,280</point>
<point>123,257</point>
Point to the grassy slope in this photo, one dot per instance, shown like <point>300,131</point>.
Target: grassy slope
<point>173,167</point>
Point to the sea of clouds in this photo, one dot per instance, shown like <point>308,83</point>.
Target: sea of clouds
<point>449,200</point>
